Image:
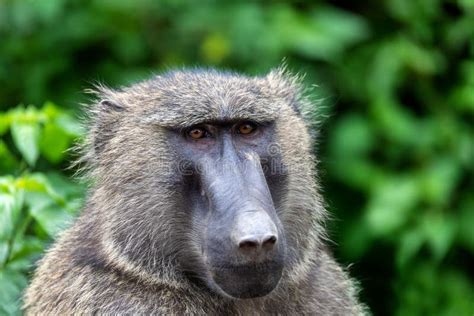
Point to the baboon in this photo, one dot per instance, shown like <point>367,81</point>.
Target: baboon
<point>203,201</point>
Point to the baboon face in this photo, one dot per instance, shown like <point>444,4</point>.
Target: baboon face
<point>229,169</point>
<point>194,170</point>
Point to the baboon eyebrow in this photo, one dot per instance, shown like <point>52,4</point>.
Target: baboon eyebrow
<point>231,122</point>
<point>178,124</point>
<point>172,114</point>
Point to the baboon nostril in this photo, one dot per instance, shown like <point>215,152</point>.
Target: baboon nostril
<point>249,243</point>
<point>269,241</point>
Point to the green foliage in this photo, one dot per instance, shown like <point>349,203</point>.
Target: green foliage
<point>397,146</point>
<point>36,202</point>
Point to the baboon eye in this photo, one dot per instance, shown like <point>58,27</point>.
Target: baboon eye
<point>246,128</point>
<point>197,133</point>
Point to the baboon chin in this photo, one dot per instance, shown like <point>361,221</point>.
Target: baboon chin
<point>248,281</point>
<point>204,200</point>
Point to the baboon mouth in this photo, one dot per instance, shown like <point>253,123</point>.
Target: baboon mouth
<point>248,268</point>
<point>247,281</point>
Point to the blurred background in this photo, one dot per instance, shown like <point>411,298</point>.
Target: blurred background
<point>395,80</point>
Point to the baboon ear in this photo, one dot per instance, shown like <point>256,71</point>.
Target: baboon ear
<point>108,114</point>
<point>110,106</point>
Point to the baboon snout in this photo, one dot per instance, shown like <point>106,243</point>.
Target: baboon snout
<point>244,244</point>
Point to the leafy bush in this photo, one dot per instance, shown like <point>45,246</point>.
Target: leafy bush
<point>397,144</point>
<point>36,202</point>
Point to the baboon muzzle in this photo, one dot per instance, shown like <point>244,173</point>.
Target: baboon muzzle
<point>244,242</point>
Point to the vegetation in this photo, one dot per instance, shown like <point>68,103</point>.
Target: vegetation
<point>36,199</point>
<point>396,80</point>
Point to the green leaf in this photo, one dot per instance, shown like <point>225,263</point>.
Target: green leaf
<point>11,201</point>
<point>4,123</point>
<point>394,120</point>
<point>322,34</point>
<point>54,143</point>
<point>390,205</point>
<point>439,179</point>
<point>357,173</point>
<point>440,231</point>
<point>466,222</point>
<point>69,125</point>
<point>62,119</point>
<point>12,285</point>
<point>47,213</point>
<point>25,251</point>
<point>26,138</point>
<point>410,243</point>
<point>7,159</point>
<point>51,110</point>
<point>7,220</point>
<point>53,219</point>
<point>4,252</point>
<point>34,182</point>
<point>215,48</point>
<point>63,185</point>
<point>352,136</point>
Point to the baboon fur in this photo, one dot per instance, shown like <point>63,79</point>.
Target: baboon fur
<point>122,255</point>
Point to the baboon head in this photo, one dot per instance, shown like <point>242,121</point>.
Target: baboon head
<point>206,177</point>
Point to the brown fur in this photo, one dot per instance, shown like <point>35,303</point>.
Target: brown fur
<point>122,254</point>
